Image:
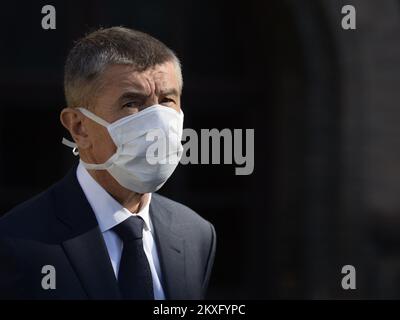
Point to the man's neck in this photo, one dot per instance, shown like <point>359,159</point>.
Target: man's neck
<point>128,199</point>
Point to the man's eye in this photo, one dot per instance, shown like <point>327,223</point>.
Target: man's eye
<point>131,104</point>
<point>168,100</point>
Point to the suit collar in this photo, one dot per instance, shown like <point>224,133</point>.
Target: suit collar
<point>171,252</point>
<point>72,207</point>
<point>84,247</point>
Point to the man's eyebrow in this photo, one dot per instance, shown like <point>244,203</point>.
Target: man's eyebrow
<point>141,96</point>
<point>131,95</point>
<point>170,92</point>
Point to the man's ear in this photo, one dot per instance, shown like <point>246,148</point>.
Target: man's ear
<point>71,119</point>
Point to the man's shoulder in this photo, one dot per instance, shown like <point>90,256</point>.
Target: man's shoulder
<point>28,215</point>
<point>185,221</point>
<point>181,213</point>
<point>197,233</point>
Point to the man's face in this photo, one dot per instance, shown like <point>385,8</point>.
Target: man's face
<point>122,91</point>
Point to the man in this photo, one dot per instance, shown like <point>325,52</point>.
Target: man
<point>102,232</point>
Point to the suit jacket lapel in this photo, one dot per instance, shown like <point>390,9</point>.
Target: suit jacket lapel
<point>171,253</point>
<point>84,246</point>
<point>89,257</point>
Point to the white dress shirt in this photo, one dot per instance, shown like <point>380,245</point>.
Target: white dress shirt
<point>109,213</point>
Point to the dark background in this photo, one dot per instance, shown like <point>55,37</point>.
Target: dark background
<point>324,105</point>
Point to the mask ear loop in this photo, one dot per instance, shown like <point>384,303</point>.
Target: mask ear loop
<point>91,116</point>
<point>72,145</point>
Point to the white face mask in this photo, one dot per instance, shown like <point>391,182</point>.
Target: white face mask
<point>148,145</point>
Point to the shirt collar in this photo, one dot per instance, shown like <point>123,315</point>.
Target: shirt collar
<point>109,212</point>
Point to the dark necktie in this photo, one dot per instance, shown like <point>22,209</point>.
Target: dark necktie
<point>134,276</point>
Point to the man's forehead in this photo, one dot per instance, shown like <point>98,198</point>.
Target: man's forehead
<point>160,77</point>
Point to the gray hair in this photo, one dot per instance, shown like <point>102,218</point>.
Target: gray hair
<point>92,54</point>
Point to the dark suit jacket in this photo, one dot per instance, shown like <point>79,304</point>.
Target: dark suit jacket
<point>58,228</point>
